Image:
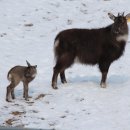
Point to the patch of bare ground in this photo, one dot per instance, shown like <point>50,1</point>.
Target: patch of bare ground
<point>10,121</point>
<point>28,25</point>
<point>63,116</point>
<point>16,113</point>
<point>41,96</point>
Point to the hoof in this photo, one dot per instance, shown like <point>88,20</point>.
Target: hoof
<point>54,86</point>
<point>27,99</point>
<point>8,100</point>
<point>103,85</point>
<point>64,81</point>
<point>13,98</point>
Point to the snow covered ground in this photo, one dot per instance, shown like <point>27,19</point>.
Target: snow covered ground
<point>79,105</point>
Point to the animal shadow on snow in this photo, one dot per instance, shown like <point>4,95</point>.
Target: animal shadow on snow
<point>112,79</point>
<point>118,79</point>
<point>84,79</point>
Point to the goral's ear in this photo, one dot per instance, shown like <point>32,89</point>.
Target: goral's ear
<point>128,17</point>
<point>111,16</point>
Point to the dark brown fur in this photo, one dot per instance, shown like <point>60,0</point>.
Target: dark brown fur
<point>17,74</point>
<point>90,46</point>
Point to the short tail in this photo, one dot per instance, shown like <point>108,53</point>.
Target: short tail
<point>9,76</point>
<point>56,49</point>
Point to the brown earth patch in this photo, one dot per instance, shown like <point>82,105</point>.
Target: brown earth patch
<point>40,96</point>
<point>28,24</point>
<point>10,121</point>
<point>16,113</point>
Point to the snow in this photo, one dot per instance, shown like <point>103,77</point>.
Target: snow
<point>81,103</point>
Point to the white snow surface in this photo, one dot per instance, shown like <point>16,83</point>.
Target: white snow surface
<point>81,104</point>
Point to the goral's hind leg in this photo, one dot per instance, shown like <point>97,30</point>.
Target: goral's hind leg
<point>12,94</point>
<point>10,90</point>
<point>56,71</point>
<point>63,62</point>
<point>62,76</point>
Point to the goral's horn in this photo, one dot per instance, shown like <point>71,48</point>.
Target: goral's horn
<point>28,63</point>
<point>123,13</point>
